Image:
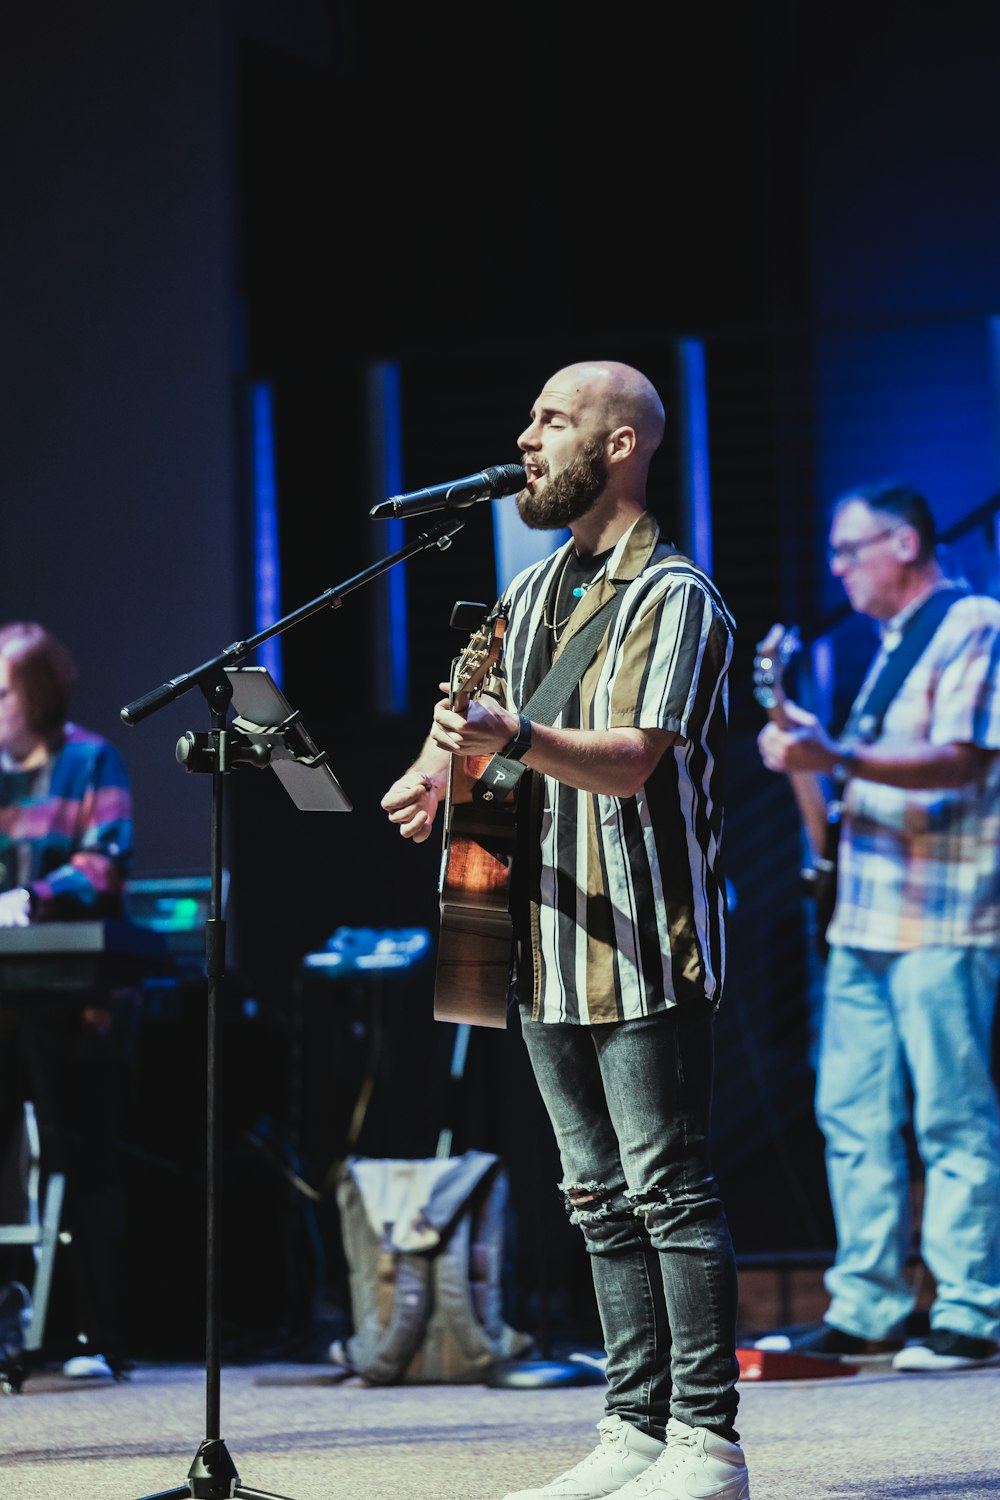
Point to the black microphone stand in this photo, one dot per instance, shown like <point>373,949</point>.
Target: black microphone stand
<point>213,1475</point>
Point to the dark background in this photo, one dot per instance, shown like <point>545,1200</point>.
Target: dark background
<point>200,197</point>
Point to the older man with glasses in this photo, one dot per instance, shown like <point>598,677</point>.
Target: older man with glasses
<point>905,1052</point>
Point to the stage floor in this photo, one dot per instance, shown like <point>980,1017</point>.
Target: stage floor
<point>297,1431</point>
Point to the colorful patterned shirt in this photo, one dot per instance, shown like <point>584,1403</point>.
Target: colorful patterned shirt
<point>921,869</point>
<point>621,900</point>
<point>66,829</point>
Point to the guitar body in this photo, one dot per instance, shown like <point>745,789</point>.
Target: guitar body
<point>819,879</point>
<point>476,932</point>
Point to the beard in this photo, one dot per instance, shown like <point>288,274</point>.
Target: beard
<point>570,494</point>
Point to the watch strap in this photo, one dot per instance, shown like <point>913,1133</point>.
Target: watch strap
<point>521,743</point>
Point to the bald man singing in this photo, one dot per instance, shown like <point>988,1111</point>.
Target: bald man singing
<point>617,900</point>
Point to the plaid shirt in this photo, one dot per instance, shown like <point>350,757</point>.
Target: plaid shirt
<point>921,869</point>
<point>66,829</point>
<point>621,899</point>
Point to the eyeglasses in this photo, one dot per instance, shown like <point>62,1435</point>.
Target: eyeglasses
<point>847,552</point>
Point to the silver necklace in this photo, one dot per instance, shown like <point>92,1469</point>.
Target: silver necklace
<point>557,626</point>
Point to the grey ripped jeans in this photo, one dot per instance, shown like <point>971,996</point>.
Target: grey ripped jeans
<point>630,1103</point>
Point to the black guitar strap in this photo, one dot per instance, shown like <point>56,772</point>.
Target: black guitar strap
<point>502,776</point>
<point>865,721</point>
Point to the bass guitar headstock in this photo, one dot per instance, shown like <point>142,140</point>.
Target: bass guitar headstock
<point>774,653</point>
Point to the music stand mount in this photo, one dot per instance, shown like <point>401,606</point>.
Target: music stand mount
<point>266,731</point>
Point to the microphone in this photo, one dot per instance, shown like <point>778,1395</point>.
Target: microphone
<point>488,484</point>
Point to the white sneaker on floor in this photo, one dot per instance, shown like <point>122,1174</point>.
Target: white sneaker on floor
<point>87,1367</point>
<point>943,1349</point>
<point>623,1453</point>
<point>697,1464</point>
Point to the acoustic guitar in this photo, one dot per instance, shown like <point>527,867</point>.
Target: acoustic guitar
<point>820,817</point>
<point>475,938</point>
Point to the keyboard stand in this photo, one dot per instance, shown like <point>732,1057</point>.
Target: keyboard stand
<point>42,1235</point>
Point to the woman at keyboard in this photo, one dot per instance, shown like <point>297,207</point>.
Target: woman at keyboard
<point>65,852</point>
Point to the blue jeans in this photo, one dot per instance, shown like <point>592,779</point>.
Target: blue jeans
<point>907,1036</point>
<point>630,1104</point>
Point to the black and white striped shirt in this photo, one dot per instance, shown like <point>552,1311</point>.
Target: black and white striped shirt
<point>621,900</point>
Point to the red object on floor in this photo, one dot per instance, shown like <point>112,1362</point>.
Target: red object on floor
<point>774,1364</point>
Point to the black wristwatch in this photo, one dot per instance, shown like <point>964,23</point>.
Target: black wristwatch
<point>845,763</point>
<point>521,743</point>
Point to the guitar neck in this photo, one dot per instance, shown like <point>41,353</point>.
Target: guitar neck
<point>808,789</point>
<point>820,819</point>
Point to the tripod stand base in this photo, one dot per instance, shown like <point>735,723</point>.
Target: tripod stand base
<point>213,1476</point>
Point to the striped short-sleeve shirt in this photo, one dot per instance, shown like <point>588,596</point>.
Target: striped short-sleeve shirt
<point>621,900</point>
<point>920,868</point>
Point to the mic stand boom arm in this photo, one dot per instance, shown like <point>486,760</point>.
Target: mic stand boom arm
<point>140,708</point>
<point>213,1475</point>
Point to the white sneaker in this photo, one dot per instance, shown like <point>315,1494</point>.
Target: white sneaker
<point>622,1453</point>
<point>697,1465</point>
<point>943,1349</point>
<point>87,1367</point>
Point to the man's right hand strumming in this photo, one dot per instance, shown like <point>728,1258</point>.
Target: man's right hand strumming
<point>412,801</point>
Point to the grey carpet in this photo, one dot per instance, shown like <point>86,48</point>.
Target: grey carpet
<point>295,1431</point>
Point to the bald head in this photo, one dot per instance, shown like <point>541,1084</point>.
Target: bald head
<point>615,395</point>
<point>587,450</point>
